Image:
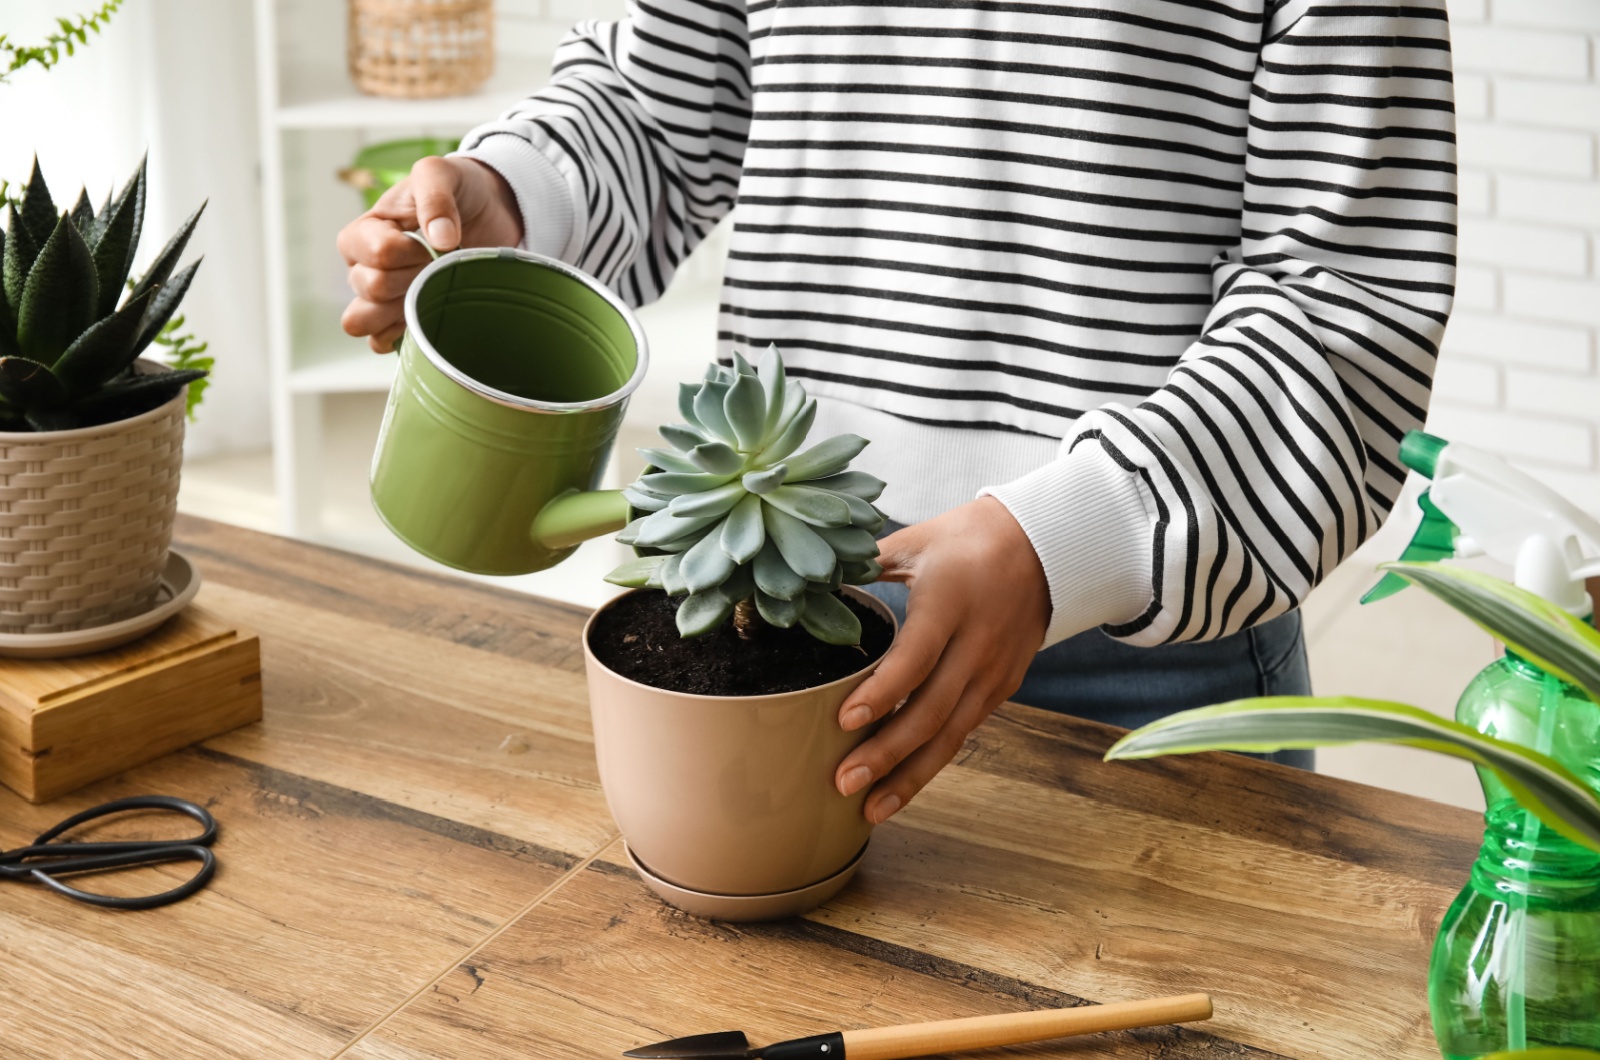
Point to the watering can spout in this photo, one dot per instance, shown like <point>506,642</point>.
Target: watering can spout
<point>577,515</point>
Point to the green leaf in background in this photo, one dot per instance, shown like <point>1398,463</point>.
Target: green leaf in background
<point>184,354</point>
<point>1531,626</point>
<point>1545,1054</point>
<point>1274,723</point>
<point>59,296</point>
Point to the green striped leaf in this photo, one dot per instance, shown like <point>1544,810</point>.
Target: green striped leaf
<point>1531,626</point>
<point>1542,785</point>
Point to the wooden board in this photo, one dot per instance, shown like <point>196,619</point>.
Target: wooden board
<point>68,722</point>
<point>417,862</point>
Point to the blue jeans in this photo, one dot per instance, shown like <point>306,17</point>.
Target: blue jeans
<point>1093,676</point>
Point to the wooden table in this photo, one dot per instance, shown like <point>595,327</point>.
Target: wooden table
<point>417,861</point>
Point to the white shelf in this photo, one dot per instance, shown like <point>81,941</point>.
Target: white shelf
<point>356,374</point>
<point>326,99</point>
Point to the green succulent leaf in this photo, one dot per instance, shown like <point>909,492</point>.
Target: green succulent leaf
<point>863,514</point>
<point>673,483</point>
<point>1531,626</point>
<point>766,481</point>
<point>806,554</point>
<point>82,213</point>
<point>826,617</point>
<point>709,413</point>
<point>701,613</point>
<point>114,238</point>
<point>643,500</point>
<point>686,396</point>
<point>30,385</point>
<point>856,483</point>
<point>717,501</point>
<point>742,366</point>
<point>8,322</point>
<point>670,460</point>
<point>38,210</point>
<point>661,529</point>
<point>793,434</point>
<point>779,612</point>
<point>826,458</point>
<point>743,532</point>
<point>716,458</point>
<point>850,543</point>
<point>164,304</point>
<point>1542,785</point>
<point>131,396</point>
<point>671,575</point>
<point>817,507</point>
<point>103,351</point>
<point>21,250</point>
<point>745,408</point>
<point>706,565</point>
<point>682,437</point>
<point>773,381</point>
<point>773,574</point>
<point>638,572</point>
<point>59,296</point>
<point>864,573</point>
<point>167,260</point>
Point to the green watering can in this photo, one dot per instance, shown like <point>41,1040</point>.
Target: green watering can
<point>515,371</point>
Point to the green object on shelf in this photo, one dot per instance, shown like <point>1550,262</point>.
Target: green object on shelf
<point>379,167</point>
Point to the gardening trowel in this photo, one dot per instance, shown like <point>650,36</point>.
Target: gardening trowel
<point>942,1036</point>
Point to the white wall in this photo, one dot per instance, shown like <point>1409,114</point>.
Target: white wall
<point>176,77</point>
<point>1518,373</point>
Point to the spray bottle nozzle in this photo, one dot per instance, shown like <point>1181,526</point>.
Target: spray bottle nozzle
<point>1420,452</point>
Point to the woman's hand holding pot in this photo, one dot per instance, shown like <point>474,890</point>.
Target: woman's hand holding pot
<point>455,202</point>
<point>978,611</point>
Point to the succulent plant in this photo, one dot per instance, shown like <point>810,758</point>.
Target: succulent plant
<point>739,522</point>
<point>66,345</point>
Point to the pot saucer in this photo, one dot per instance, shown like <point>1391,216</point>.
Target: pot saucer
<point>747,907</point>
<point>179,582</point>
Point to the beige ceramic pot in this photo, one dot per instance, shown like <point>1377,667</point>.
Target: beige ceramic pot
<point>86,519</point>
<point>728,797</point>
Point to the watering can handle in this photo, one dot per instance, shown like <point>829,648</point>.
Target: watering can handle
<point>576,516</point>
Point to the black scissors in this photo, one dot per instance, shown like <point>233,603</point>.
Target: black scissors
<point>46,859</point>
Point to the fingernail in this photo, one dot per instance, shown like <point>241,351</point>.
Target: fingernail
<point>856,717</point>
<point>855,780</point>
<point>885,808</point>
<point>441,233</point>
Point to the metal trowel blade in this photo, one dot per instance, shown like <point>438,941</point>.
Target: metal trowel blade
<point>723,1045</point>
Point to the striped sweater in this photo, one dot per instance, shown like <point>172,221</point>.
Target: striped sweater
<point>1165,277</point>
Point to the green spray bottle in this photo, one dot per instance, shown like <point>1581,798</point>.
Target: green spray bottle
<point>1516,964</point>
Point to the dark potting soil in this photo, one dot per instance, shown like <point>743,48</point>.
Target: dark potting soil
<point>637,637</point>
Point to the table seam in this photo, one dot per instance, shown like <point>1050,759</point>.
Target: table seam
<point>514,918</point>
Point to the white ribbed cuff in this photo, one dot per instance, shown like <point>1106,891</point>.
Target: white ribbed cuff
<point>1087,520</point>
<point>542,192</point>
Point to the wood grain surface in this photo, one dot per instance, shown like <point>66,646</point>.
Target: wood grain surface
<point>417,861</point>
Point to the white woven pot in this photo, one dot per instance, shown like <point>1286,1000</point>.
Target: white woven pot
<point>86,519</point>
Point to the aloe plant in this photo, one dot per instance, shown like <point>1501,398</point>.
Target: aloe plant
<point>68,335</point>
<point>1535,629</point>
<point>739,521</point>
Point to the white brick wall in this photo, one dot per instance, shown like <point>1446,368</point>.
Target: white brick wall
<point>1518,373</point>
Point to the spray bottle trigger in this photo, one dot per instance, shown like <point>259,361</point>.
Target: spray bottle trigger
<point>1435,539</point>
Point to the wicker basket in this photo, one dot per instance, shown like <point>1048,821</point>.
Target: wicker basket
<point>86,519</point>
<point>420,49</point>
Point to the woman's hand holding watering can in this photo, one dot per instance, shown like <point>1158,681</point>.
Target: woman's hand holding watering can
<point>455,202</point>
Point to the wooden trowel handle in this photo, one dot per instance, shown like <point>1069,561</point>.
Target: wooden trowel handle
<point>1014,1028</point>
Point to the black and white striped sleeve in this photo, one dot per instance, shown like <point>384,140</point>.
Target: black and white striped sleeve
<point>1271,451</point>
<point>632,152</point>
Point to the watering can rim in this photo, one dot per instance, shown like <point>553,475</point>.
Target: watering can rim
<point>500,397</point>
